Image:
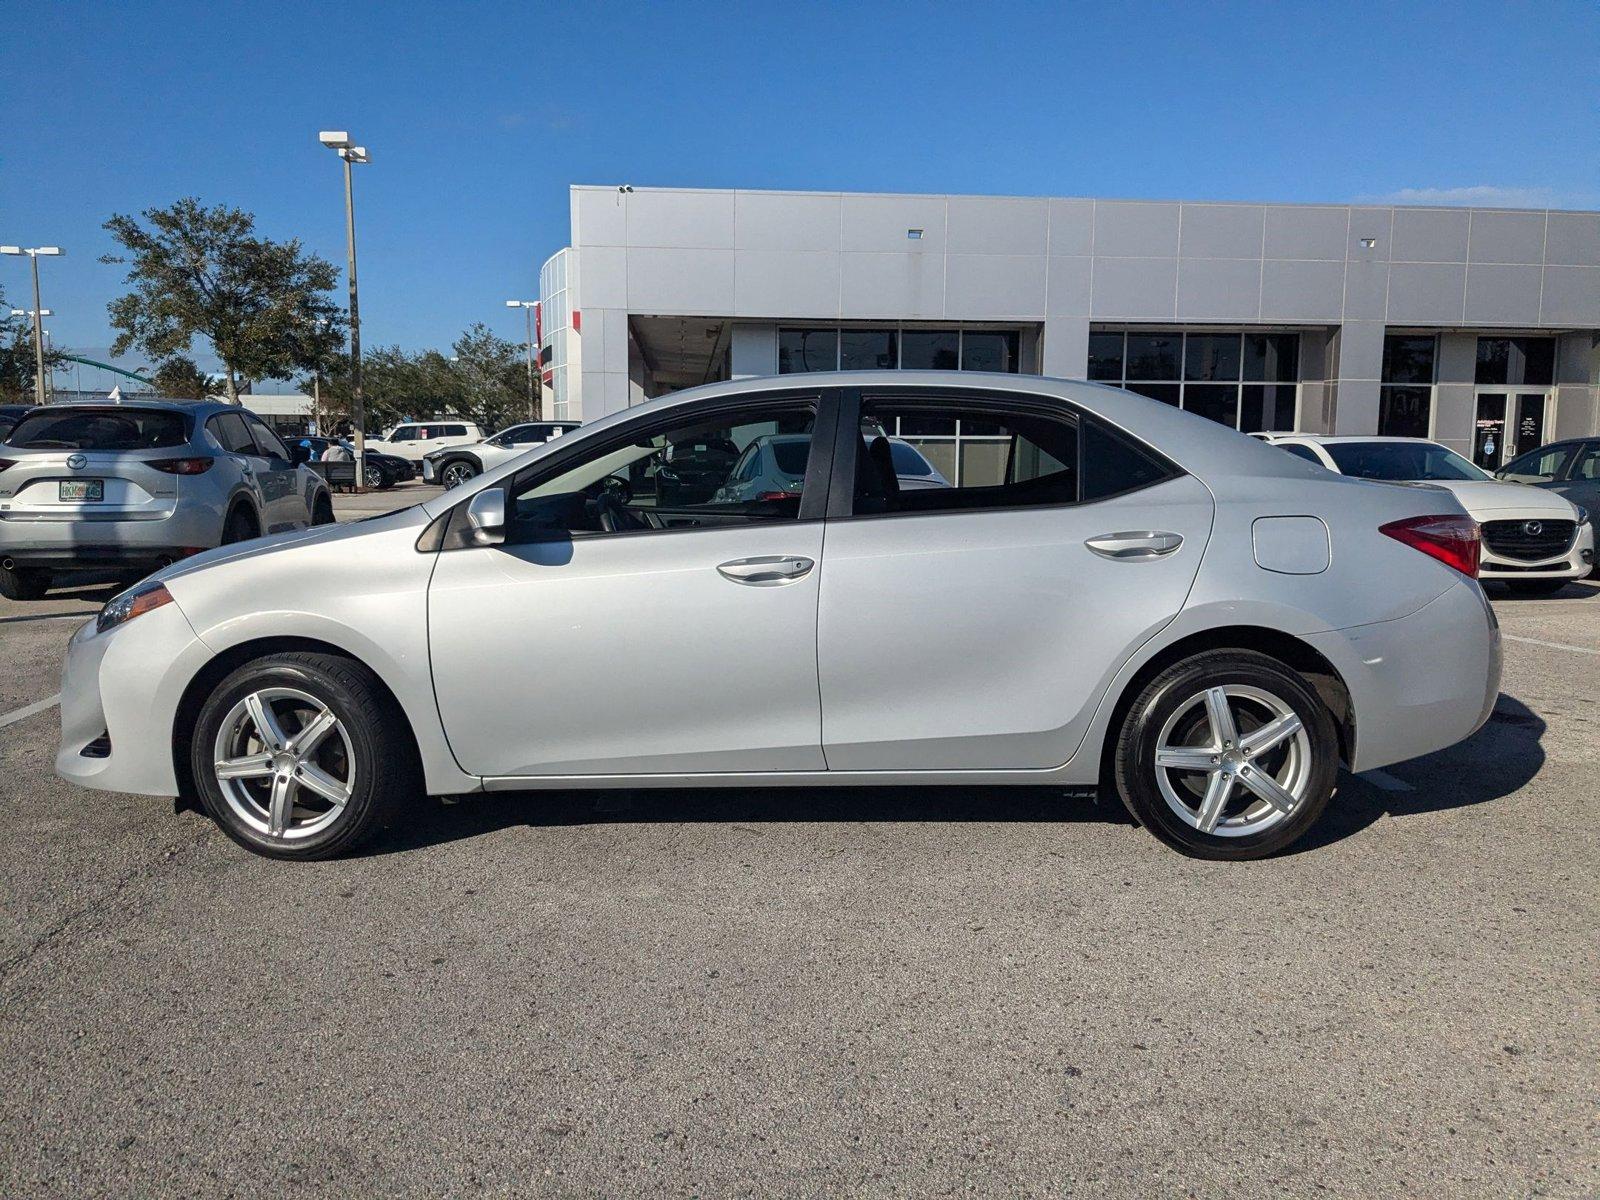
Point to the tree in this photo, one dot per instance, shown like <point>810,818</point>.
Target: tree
<point>482,379</point>
<point>202,272</point>
<point>16,357</point>
<point>180,378</point>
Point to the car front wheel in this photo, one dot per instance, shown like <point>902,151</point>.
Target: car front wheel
<point>1227,755</point>
<point>457,472</point>
<point>301,755</point>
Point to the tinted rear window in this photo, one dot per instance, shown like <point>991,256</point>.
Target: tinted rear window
<point>101,429</point>
<point>1404,461</point>
<point>791,456</point>
<point>907,461</point>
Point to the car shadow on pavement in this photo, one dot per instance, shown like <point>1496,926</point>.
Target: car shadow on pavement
<point>1496,761</point>
<point>1578,589</point>
<point>436,822</point>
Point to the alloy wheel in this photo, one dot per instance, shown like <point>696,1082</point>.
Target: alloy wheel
<point>374,477</point>
<point>456,474</point>
<point>284,763</point>
<point>1233,760</point>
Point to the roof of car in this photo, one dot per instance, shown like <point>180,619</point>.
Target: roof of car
<point>1335,439</point>
<point>191,407</point>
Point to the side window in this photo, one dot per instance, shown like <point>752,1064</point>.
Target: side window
<point>1538,466</point>
<point>452,431</point>
<point>1299,451</point>
<point>680,475</point>
<point>965,456</point>
<point>268,443</point>
<point>404,433</point>
<point>228,429</point>
<point>1114,463</point>
<point>1588,465</point>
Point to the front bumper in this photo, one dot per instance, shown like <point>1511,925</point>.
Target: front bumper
<point>1574,563</point>
<point>124,686</point>
<point>428,473</point>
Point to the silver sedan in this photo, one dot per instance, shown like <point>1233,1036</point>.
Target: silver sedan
<point>1114,593</point>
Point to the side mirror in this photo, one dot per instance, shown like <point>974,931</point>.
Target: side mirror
<point>486,515</point>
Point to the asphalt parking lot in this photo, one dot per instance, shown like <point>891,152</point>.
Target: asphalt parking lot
<point>861,992</point>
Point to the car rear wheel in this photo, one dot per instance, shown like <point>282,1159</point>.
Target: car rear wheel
<point>301,756</point>
<point>240,526</point>
<point>322,510</point>
<point>23,583</point>
<point>456,472</point>
<point>1227,755</point>
<point>1536,587</point>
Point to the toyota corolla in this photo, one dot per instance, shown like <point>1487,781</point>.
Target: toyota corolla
<point>1110,593</point>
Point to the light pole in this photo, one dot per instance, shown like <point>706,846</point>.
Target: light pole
<point>527,306</point>
<point>38,338</point>
<point>35,316</point>
<point>339,142</point>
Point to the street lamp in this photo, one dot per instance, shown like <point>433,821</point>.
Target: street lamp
<point>528,306</point>
<point>38,338</point>
<point>339,142</point>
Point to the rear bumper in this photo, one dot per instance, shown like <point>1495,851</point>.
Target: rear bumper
<point>1421,683</point>
<point>91,543</point>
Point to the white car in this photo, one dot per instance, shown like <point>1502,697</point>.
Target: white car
<point>413,439</point>
<point>1534,541</point>
<point>453,465</point>
<point>1145,598</point>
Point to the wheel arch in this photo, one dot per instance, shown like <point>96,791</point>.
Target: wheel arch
<point>243,498</point>
<point>1288,649</point>
<point>220,665</point>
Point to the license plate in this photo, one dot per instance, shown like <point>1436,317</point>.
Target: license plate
<point>82,489</point>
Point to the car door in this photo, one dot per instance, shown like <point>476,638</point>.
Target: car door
<point>978,626</point>
<point>230,431</point>
<point>284,498</point>
<point>620,632</point>
<point>1582,482</point>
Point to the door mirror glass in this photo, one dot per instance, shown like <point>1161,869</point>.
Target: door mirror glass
<point>486,514</point>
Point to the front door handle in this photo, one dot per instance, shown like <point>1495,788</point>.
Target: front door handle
<point>769,570</point>
<point>1135,546</point>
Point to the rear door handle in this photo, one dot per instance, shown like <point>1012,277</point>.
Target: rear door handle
<point>768,570</point>
<point>1136,545</point>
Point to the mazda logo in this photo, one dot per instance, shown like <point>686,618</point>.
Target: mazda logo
<point>77,462</point>
<point>1533,528</point>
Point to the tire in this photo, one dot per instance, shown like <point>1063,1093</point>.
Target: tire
<point>322,510</point>
<point>1171,801</point>
<point>240,526</point>
<point>24,583</point>
<point>374,478</point>
<point>457,471</point>
<point>366,755</point>
<point>1536,587</point>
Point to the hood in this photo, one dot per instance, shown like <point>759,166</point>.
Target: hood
<point>1486,496</point>
<point>277,542</point>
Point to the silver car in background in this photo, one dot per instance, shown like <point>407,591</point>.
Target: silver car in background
<point>1116,593</point>
<point>134,485</point>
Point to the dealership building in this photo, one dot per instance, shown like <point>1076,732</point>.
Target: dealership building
<point>1476,326</point>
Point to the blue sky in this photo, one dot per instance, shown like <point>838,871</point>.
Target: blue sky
<point>479,115</point>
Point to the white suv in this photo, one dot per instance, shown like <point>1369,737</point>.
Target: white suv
<point>415,438</point>
<point>455,464</point>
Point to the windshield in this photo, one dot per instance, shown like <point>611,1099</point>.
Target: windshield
<point>1403,461</point>
<point>100,429</point>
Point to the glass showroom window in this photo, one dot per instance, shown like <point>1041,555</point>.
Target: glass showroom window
<point>1405,396</point>
<point>1244,380</point>
<point>888,348</point>
<point>1516,361</point>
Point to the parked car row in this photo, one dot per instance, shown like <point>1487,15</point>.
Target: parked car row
<point>383,471</point>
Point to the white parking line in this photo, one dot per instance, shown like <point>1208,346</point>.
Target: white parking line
<point>22,714</point>
<point>1511,637</point>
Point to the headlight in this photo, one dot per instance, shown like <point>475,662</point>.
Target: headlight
<point>1583,514</point>
<point>136,601</point>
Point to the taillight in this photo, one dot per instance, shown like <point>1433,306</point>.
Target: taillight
<point>1451,538</point>
<point>181,466</point>
<point>774,496</point>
